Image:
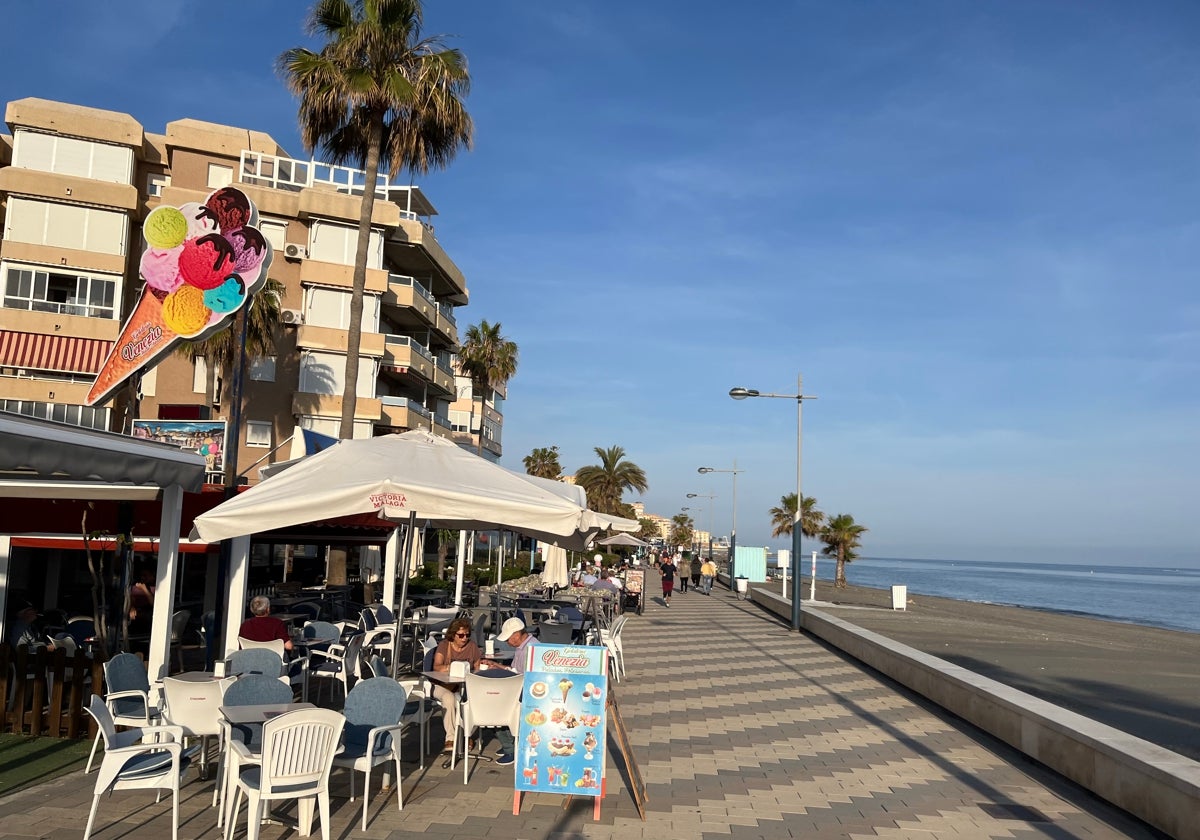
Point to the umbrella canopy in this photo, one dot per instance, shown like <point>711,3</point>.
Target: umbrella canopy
<point>555,572</point>
<point>399,476</point>
<point>623,539</point>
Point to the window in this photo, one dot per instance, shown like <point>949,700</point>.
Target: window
<point>66,292</point>
<point>331,427</point>
<point>258,433</point>
<point>274,232</point>
<point>66,226</point>
<point>325,373</point>
<point>150,382</point>
<point>156,182</point>
<point>331,308</point>
<point>76,415</point>
<point>262,369</point>
<point>336,244</point>
<point>460,421</point>
<point>219,176</point>
<point>73,156</point>
<point>200,375</point>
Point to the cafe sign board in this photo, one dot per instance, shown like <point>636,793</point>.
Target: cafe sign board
<point>561,737</point>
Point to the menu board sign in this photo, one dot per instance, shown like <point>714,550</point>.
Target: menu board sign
<point>560,742</point>
<point>635,580</point>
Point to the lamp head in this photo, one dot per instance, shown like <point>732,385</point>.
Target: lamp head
<point>692,495</point>
<point>704,470</point>
<point>742,393</point>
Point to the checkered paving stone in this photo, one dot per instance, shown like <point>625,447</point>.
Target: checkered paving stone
<point>741,729</point>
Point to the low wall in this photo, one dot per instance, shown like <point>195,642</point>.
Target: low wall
<point>1151,782</point>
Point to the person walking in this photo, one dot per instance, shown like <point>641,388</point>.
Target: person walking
<point>708,573</point>
<point>667,569</point>
<point>685,572</point>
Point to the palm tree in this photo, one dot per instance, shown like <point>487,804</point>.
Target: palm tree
<point>377,93</point>
<point>648,530</point>
<point>606,482</point>
<point>543,462</point>
<point>221,351</point>
<point>489,359</point>
<point>841,537</point>
<point>681,529</point>
<point>811,519</point>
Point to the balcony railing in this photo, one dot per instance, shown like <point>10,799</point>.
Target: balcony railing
<point>447,312</point>
<point>405,402</point>
<point>443,422</point>
<point>83,309</point>
<point>282,173</point>
<point>414,284</point>
<point>406,341</point>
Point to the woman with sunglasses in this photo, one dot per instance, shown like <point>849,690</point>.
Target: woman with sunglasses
<point>456,647</point>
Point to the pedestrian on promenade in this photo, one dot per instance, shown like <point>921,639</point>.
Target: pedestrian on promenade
<point>708,573</point>
<point>685,572</point>
<point>667,569</point>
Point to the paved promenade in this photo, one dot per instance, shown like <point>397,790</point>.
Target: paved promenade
<point>741,730</point>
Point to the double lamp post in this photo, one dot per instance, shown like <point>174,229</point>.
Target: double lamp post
<point>799,397</point>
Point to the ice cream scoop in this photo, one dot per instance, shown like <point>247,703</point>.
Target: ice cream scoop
<point>199,222</point>
<point>184,311</point>
<point>228,296</point>
<point>249,249</point>
<point>206,262</point>
<point>229,208</point>
<point>160,268</point>
<point>165,227</point>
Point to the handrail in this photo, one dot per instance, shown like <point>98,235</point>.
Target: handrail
<point>283,173</point>
<point>405,280</point>
<point>405,402</point>
<point>408,341</point>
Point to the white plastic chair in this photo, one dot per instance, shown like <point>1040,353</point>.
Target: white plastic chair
<point>374,724</point>
<point>297,755</point>
<point>339,663</point>
<point>611,638</point>
<point>195,708</point>
<point>129,765</point>
<point>486,701</point>
<point>274,644</point>
<point>128,697</point>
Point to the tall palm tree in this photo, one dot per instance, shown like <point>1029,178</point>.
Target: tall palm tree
<point>811,519</point>
<point>377,93</point>
<point>648,530</point>
<point>543,462</point>
<point>682,526</point>
<point>841,537</point>
<point>606,482</point>
<point>221,351</point>
<point>490,360</point>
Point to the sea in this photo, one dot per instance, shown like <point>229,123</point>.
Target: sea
<point>1157,597</point>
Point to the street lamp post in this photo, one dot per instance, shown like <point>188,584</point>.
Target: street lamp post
<point>733,524</point>
<point>799,397</point>
<point>709,508</point>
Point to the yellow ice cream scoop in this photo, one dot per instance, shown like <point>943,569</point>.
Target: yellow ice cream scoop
<point>184,310</point>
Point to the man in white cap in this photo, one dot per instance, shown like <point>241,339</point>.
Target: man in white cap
<point>513,633</point>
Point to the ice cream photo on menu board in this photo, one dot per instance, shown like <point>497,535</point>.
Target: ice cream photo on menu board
<point>203,262</point>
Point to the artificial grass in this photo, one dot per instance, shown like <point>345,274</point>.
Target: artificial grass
<point>27,761</point>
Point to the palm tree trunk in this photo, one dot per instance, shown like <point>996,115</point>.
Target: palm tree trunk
<point>482,406</point>
<point>354,333</point>
<point>840,578</point>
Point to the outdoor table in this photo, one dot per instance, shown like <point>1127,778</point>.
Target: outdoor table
<point>427,598</point>
<point>288,618</point>
<point>196,676</point>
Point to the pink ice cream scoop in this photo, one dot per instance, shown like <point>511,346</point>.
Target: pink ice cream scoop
<point>160,268</point>
<point>206,262</point>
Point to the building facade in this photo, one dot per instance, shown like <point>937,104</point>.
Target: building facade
<point>76,184</point>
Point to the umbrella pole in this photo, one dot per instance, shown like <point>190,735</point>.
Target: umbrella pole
<point>458,566</point>
<point>496,591</point>
<point>408,536</point>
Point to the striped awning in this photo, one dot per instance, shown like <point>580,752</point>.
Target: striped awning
<point>62,353</point>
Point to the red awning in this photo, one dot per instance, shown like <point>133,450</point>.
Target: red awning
<point>52,352</point>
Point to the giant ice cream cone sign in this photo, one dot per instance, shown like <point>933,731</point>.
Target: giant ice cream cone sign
<point>202,263</point>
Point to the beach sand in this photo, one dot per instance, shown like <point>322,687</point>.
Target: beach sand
<point>1141,680</point>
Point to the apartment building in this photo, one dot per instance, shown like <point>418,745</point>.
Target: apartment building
<point>76,184</point>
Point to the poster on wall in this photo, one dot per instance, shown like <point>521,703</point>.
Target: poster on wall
<point>203,437</point>
<point>203,262</point>
<point>560,743</point>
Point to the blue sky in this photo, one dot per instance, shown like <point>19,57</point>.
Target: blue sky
<point>971,226</point>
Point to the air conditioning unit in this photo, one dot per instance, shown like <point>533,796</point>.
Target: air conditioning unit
<point>295,252</point>
<point>291,317</point>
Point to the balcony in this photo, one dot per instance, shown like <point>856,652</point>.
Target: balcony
<point>312,337</point>
<point>280,173</point>
<point>403,413</point>
<point>414,306</point>
<point>325,405</point>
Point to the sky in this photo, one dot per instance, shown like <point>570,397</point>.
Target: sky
<point>971,228</point>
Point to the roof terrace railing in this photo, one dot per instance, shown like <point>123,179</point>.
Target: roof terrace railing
<point>408,341</point>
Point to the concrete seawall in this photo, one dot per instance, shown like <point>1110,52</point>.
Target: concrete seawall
<point>1151,782</point>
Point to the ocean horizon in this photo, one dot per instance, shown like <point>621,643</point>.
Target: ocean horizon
<point>1167,597</point>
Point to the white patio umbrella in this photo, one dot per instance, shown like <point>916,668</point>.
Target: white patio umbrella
<point>555,571</point>
<point>623,539</point>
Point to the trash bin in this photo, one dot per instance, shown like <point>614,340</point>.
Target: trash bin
<point>743,585</point>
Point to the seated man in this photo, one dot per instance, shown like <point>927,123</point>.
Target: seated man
<point>263,627</point>
<point>22,632</point>
<point>606,582</point>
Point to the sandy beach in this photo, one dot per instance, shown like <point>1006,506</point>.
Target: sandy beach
<point>1142,680</point>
